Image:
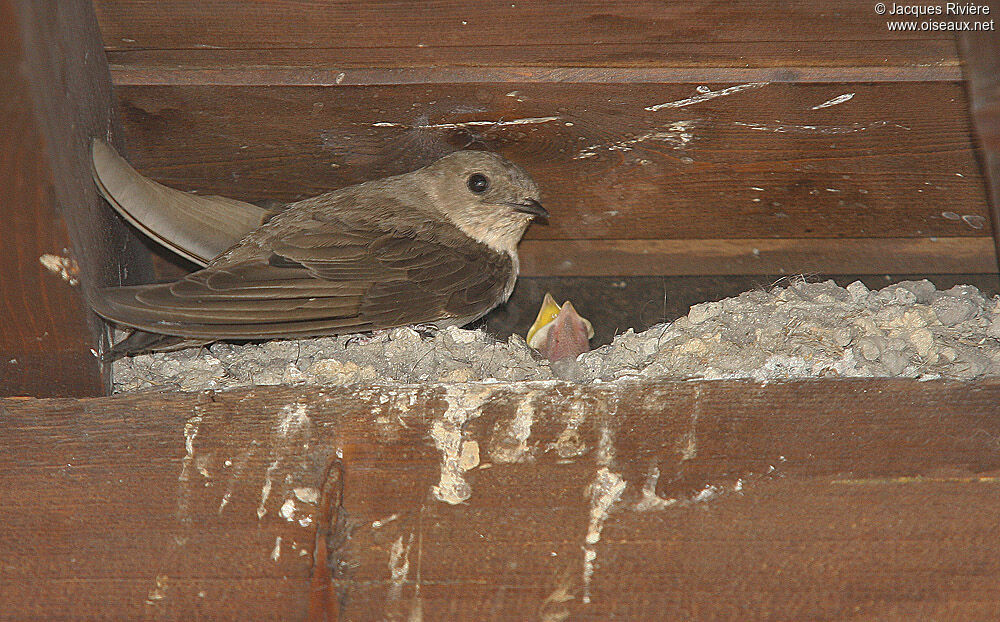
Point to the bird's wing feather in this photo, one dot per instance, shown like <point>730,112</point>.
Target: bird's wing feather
<point>324,276</point>
<point>196,227</point>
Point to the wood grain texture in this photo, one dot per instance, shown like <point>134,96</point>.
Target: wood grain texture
<point>71,89</point>
<point>45,337</point>
<point>981,52</point>
<point>569,258</point>
<point>563,88</point>
<point>389,33</point>
<point>58,96</point>
<point>803,500</point>
<point>756,162</point>
<point>44,342</point>
<point>271,68</point>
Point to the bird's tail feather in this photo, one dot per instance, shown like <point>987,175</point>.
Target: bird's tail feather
<point>195,227</point>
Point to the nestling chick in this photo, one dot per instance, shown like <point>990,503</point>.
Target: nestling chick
<point>559,332</point>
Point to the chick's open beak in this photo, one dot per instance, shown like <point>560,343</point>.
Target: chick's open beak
<point>559,332</point>
<point>530,206</point>
<point>546,315</point>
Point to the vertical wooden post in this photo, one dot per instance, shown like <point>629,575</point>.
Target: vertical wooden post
<point>981,56</point>
<point>56,97</point>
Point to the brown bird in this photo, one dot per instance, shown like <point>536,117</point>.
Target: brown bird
<point>435,246</point>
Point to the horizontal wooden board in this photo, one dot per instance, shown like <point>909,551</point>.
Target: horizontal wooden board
<point>758,256</point>
<point>184,68</point>
<point>525,32</point>
<point>799,500</point>
<point>636,161</point>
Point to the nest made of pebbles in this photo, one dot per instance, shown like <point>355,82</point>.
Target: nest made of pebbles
<point>909,329</point>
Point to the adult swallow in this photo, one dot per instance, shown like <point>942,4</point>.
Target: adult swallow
<point>436,246</point>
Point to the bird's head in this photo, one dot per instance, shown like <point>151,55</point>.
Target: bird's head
<point>488,197</point>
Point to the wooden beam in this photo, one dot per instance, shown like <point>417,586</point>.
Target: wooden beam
<point>57,96</point>
<point>45,340</point>
<point>501,33</point>
<point>723,499</point>
<point>255,68</point>
<point>981,52</point>
<point>636,161</point>
<point>944,255</point>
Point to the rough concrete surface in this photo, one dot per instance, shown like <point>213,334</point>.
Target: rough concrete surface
<point>909,329</point>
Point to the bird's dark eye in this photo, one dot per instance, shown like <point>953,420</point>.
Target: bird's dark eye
<point>478,183</point>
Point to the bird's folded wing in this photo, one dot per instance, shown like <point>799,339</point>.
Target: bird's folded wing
<point>196,227</point>
<point>326,279</point>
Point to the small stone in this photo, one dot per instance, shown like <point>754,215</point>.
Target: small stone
<point>895,344</point>
<point>952,310</point>
<point>922,290</point>
<point>461,336</point>
<point>279,349</point>
<point>965,291</point>
<point>994,329</point>
<point>923,341</point>
<point>870,348</point>
<point>468,457</point>
<point>858,291</point>
<point>649,347</point>
<point>867,325</point>
<point>343,373</point>
<point>461,374</point>
<point>915,318</point>
<point>292,374</point>
<point>404,333</point>
<point>704,311</point>
<point>894,363</point>
<point>891,315</point>
<point>971,365</point>
<point>694,346</point>
<point>268,377</point>
<point>843,337</point>
<point>897,294</point>
<point>712,373</point>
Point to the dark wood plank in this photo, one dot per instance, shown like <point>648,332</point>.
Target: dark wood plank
<point>330,68</point>
<point>895,160</point>
<point>803,33</point>
<point>57,94</point>
<point>800,500</point>
<point>42,317</point>
<point>981,51</point>
<point>72,92</point>
<point>950,255</point>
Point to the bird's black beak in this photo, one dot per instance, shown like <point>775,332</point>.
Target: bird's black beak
<point>531,206</point>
